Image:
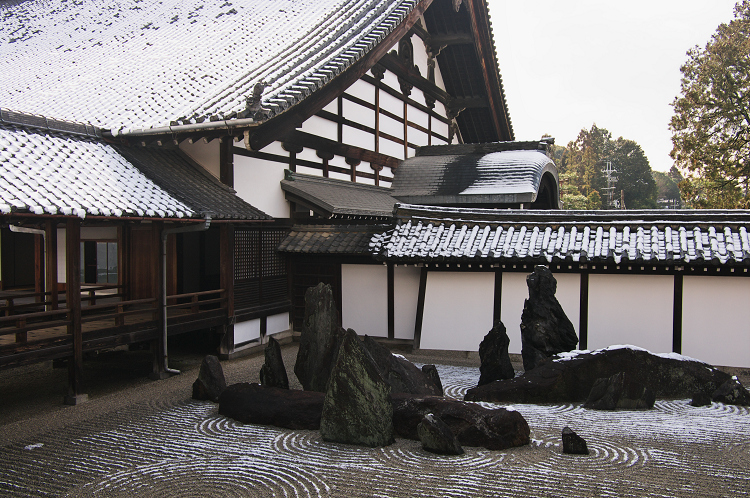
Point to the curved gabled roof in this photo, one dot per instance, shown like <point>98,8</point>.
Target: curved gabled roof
<point>473,175</point>
<point>131,65</point>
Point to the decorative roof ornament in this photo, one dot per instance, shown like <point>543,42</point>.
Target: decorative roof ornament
<point>253,103</point>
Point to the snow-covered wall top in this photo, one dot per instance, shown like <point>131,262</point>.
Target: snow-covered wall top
<point>137,64</point>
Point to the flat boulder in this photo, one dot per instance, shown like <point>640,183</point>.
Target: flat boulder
<point>273,372</point>
<point>619,392</point>
<point>210,382</point>
<point>472,424</point>
<point>357,407</point>
<point>569,377</point>
<point>402,375</point>
<point>494,357</point>
<point>256,404</point>
<point>437,437</point>
<point>320,339</point>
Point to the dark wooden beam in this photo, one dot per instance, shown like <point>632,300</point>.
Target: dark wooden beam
<point>397,66</point>
<point>437,42</point>
<point>348,151</point>
<point>50,229</point>
<point>226,162</point>
<point>420,308</point>
<point>157,289</point>
<point>498,301</point>
<point>583,320</point>
<point>73,303</point>
<point>391,302</point>
<point>287,121</point>
<point>677,315</point>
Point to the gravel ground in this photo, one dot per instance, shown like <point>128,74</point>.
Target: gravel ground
<point>137,437</point>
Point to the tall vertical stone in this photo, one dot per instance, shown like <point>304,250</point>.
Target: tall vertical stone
<point>494,357</point>
<point>357,408</point>
<point>320,339</point>
<point>545,329</point>
<point>273,372</point>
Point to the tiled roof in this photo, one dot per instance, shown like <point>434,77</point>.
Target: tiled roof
<point>455,175</point>
<point>58,174</point>
<point>177,174</point>
<point>330,239</point>
<point>429,234</point>
<point>339,198</point>
<point>140,64</point>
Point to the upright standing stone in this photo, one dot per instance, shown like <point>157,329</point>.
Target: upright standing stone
<point>494,357</point>
<point>545,329</point>
<point>273,373</point>
<point>357,408</point>
<point>320,339</point>
<point>210,382</point>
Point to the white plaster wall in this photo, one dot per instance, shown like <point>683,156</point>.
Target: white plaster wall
<point>246,331</point>
<point>417,137</point>
<point>631,309</point>
<point>391,148</point>
<point>321,127</point>
<point>458,310</point>
<point>361,89</point>
<point>309,155</point>
<point>405,296</point>
<point>358,138</point>
<point>364,299</point>
<point>257,182</point>
<point>205,154</point>
<point>418,116</point>
<point>277,323</point>
<point>569,296</point>
<point>420,54</point>
<point>514,293</point>
<point>98,233</point>
<point>388,101</point>
<point>716,320</point>
<point>360,114</point>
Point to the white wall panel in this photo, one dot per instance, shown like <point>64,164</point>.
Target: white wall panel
<point>406,296</point>
<point>418,116</point>
<point>246,331</point>
<point>321,127</point>
<point>391,148</point>
<point>458,310</point>
<point>362,90</point>
<point>309,155</point>
<point>716,320</point>
<point>391,103</point>
<point>257,182</point>
<point>391,127</point>
<point>277,323</point>
<point>515,291</point>
<point>358,138</point>
<point>207,155</point>
<point>417,137</point>
<point>364,299</point>
<point>420,55</point>
<point>360,114</point>
<point>631,309</point>
<point>569,296</point>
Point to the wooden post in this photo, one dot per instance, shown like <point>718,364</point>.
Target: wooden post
<point>73,303</point>
<point>420,308</point>
<point>226,279</point>
<point>51,264</point>
<point>39,287</point>
<point>157,286</point>
<point>391,302</point>
<point>226,161</point>
<point>498,299</point>
<point>583,324</point>
<point>677,315</point>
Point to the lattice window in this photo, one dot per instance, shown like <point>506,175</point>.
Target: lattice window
<point>246,252</point>
<point>259,271</point>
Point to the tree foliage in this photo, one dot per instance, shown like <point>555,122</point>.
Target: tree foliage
<point>583,182</point>
<point>711,122</point>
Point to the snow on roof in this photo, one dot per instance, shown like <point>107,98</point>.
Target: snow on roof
<point>505,177</point>
<point>140,64</point>
<point>427,234</point>
<point>58,174</point>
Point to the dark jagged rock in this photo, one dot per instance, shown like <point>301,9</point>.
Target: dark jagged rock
<point>273,373</point>
<point>494,357</point>
<point>256,404</point>
<point>402,375</point>
<point>431,372</point>
<point>210,382</point>
<point>357,408</point>
<point>545,329</point>
<point>700,399</point>
<point>573,444</point>
<point>570,379</point>
<point>473,425</point>
<point>320,339</point>
<point>437,437</point>
<point>731,392</point>
<point>618,391</point>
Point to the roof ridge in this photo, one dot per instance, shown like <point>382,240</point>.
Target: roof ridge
<point>38,121</point>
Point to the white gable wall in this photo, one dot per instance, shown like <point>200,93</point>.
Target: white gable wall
<point>205,154</point>
<point>257,181</point>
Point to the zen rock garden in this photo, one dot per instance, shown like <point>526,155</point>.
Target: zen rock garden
<point>355,391</point>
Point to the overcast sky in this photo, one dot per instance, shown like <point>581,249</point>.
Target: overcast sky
<point>567,64</point>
